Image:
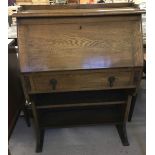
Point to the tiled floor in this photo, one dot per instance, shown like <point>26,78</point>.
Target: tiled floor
<point>92,140</point>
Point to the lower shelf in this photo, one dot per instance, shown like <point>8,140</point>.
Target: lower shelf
<point>81,116</point>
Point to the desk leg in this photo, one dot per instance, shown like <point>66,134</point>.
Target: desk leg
<point>39,132</point>
<point>133,102</point>
<point>121,128</point>
<point>26,115</point>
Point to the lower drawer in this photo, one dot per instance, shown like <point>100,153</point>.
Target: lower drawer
<point>80,80</point>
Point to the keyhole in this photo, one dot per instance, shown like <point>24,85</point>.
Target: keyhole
<point>80,27</point>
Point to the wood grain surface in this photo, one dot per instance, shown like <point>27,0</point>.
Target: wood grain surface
<point>79,45</point>
<point>80,80</point>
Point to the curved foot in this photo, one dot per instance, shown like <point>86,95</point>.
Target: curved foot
<point>121,128</point>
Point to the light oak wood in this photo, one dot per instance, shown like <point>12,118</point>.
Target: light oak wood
<point>80,80</point>
<point>94,42</point>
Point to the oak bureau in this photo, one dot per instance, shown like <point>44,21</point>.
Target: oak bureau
<point>80,64</point>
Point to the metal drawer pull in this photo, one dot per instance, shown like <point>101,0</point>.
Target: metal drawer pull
<point>111,80</point>
<point>53,82</point>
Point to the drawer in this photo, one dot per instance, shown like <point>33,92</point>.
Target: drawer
<point>79,80</point>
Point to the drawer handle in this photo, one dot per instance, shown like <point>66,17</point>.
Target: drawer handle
<point>53,82</point>
<point>111,80</point>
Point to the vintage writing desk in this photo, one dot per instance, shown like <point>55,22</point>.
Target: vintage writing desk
<point>80,64</point>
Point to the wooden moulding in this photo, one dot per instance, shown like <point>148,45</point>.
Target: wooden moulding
<point>77,6</point>
<point>78,10</point>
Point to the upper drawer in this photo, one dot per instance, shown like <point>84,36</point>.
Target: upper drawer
<point>80,80</point>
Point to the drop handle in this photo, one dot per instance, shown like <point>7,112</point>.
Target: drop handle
<point>53,82</point>
<point>111,80</point>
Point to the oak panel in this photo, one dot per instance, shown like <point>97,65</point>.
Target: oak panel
<point>72,46</point>
<point>80,80</point>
